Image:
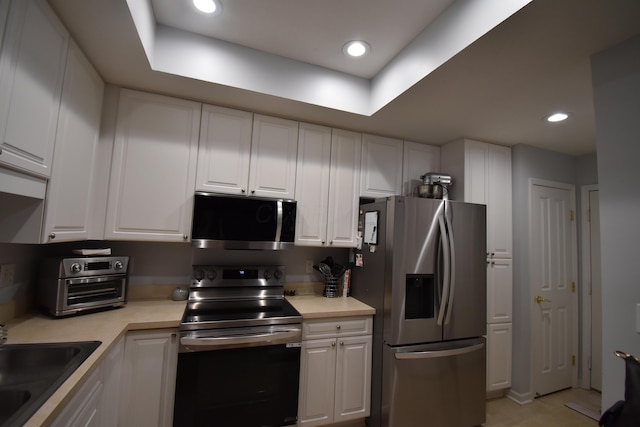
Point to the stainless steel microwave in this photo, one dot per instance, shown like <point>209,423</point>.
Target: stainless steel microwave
<point>228,222</point>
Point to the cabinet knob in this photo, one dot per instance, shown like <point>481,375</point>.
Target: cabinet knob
<point>333,344</point>
<point>52,236</point>
<point>253,191</point>
<point>242,190</point>
<point>185,237</point>
<point>341,342</point>
<point>338,326</point>
<point>331,242</point>
<point>323,242</point>
<point>0,150</point>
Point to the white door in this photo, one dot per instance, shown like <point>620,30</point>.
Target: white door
<point>552,279</point>
<point>596,291</point>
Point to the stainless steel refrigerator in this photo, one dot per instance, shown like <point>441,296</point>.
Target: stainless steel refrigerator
<point>423,269</point>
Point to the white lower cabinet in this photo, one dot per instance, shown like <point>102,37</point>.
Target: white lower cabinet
<point>498,356</point>
<point>149,378</point>
<point>96,402</point>
<point>335,371</point>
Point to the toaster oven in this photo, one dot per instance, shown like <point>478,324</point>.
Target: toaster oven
<point>74,285</point>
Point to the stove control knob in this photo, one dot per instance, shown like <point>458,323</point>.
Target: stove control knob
<point>267,274</point>
<point>118,265</point>
<point>211,274</point>
<point>277,274</point>
<point>76,267</point>
<point>198,274</point>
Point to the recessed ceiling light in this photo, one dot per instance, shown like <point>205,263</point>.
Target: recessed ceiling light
<point>557,117</point>
<point>356,48</point>
<point>208,6</point>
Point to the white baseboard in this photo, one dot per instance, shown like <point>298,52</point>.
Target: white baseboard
<point>520,398</point>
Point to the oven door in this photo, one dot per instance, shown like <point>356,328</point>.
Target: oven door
<point>243,379</point>
<point>87,293</point>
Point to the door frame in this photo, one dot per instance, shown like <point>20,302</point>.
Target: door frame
<point>575,330</point>
<point>585,259</point>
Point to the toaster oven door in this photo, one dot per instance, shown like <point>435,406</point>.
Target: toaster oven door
<point>86,293</point>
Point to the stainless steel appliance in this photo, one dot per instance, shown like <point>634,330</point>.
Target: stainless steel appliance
<point>228,222</point>
<point>73,285</point>
<point>239,353</point>
<point>424,271</point>
<point>434,185</point>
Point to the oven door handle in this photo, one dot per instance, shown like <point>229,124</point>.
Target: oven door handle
<point>268,338</point>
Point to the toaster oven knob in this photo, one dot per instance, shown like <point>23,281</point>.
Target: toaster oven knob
<point>211,274</point>
<point>277,274</point>
<point>76,268</point>
<point>198,274</point>
<point>118,265</point>
<point>267,274</point>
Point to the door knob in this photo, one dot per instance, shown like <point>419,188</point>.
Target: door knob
<point>539,299</point>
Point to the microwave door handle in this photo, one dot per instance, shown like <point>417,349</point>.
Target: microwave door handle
<point>280,214</point>
<point>452,263</point>
<point>445,281</point>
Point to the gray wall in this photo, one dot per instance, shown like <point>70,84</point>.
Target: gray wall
<point>616,90</point>
<point>529,162</point>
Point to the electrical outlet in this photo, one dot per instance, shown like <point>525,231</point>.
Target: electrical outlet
<point>7,272</point>
<point>309,268</point>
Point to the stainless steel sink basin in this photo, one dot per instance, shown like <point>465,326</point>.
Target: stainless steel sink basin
<point>30,373</point>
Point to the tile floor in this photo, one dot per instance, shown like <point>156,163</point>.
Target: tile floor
<point>545,411</point>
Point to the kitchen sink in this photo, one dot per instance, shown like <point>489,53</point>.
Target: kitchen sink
<point>30,373</point>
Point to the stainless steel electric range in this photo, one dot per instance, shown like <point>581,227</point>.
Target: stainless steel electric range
<point>239,355</point>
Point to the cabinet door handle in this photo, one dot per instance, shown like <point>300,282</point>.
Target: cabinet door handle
<point>342,343</point>
<point>253,191</point>
<point>242,190</point>
<point>333,344</point>
<point>52,236</point>
<point>338,326</point>
<point>185,237</point>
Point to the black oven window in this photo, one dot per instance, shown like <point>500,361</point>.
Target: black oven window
<point>244,387</point>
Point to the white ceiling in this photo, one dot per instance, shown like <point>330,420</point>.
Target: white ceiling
<point>495,90</point>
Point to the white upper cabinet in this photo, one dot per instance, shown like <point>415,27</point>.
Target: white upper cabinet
<point>274,150</point>
<point>154,168</point>
<point>32,62</point>
<point>482,174</point>
<point>418,160</point>
<point>381,171</point>
<point>223,155</point>
<point>312,184</point>
<point>499,230</point>
<point>344,180</point>
<point>327,185</point>
<point>68,203</point>
<point>245,154</point>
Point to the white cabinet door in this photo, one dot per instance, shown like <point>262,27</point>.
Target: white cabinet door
<point>68,203</point>
<point>418,160</point>
<point>499,356</point>
<point>327,186</point>
<point>84,409</point>
<point>112,372</point>
<point>317,382</point>
<point>32,62</point>
<point>223,153</point>
<point>475,178</point>
<point>499,290</point>
<point>312,184</point>
<point>381,171</point>
<point>149,377</point>
<point>154,167</point>
<point>499,213</point>
<point>353,378</point>
<point>274,150</point>
<point>344,181</point>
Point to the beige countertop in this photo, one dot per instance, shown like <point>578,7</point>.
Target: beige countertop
<point>108,326</point>
<point>105,326</point>
<point>316,307</point>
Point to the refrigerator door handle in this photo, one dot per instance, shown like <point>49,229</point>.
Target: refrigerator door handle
<point>452,262</point>
<point>439,353</point>
<point>447,268</point>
